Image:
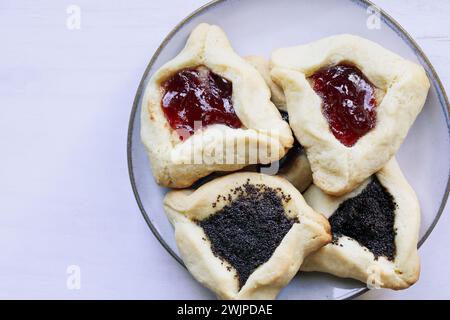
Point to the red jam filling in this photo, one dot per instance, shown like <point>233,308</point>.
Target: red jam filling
<point>348,102</point>
<point>197,97</point>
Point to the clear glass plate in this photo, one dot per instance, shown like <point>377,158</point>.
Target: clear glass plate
<point>258,27</point>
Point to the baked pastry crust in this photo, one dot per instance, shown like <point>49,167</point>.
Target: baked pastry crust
<point>262,65</point>
<point>338,169</point>
<point>183,207</point>
<point>297,169</point>
<point>263,127</point>
<point>349,259</point>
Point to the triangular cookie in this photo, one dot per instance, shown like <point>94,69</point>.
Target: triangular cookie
<point>350,103</point>
<point>244,236</point>
<point>375,231</point>
<point>208,85</point>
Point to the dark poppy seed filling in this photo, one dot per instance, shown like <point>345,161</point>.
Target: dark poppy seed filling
<point>369,219</point>
<point>348,101</point>
<point>246,232</point>
<point>197,97</point>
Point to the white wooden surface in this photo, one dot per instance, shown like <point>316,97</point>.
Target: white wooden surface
<point>65,198</point>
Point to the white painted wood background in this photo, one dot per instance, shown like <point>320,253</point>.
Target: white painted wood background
<point>65,197</point>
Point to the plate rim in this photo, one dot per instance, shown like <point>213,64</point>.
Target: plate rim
<point>387,19</point>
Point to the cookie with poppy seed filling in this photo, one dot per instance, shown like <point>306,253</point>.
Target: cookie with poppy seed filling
<point>245,235</point>
<point>375,231</point>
